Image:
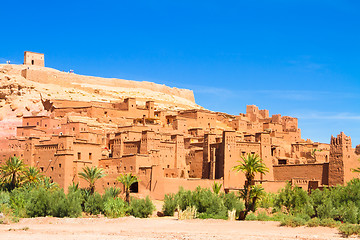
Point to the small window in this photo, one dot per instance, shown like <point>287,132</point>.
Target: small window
<point>90,156</point>
<point>52,168</point>
<point>59,165</point>
<point>282,161</point>
<point>42,169</point>
<point>124,168</point>
<point>79,155</point>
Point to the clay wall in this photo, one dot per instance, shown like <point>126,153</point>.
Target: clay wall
<point>132,147</point>
<point>195,160</point>
<point>317,171</point>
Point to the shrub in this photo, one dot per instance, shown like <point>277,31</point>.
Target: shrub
<point>262,216</point>
<point>251,217</point>
<point>115,208</point>
<point>38,204</point>
<point>188,213</point>
<point>208,204</point>
<point>267,200</point>
<point>18,200</point>
<point>66,205</point>
<point>74,199</point>
<point>94,204</point>
<point>4,198</point>
<point>328,222</point>
<point>295,200</point>
<point>170,204</point>
<point>349,229</point>
<point>141,208</point>
<point>314,222</point>
<point>292,221</point>
<point>232,201</point>
<point>279,216</point>
<point>111,192</point>
<point>8,215</point>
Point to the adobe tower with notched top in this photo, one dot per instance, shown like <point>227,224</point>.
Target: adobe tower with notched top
<point>32,58</point>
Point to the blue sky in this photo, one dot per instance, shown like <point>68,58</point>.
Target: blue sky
<point>298,58</point>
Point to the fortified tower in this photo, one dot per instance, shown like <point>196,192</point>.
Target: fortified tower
<point>340,151</point>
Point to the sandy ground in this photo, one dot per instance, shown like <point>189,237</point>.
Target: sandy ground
<point>50,228</point>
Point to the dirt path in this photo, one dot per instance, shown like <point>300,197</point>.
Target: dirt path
<point>155,228</point>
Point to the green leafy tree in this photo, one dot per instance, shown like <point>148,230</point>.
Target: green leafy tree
<point>11,170</point>
<point>32,175</point>
<point>250,166</point>
<point>127,180</point>
<point>91,175</point>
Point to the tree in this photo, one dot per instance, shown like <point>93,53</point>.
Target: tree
<point>32,175</point>
<point>12,169</point>
<point>127,180</point>
<point>216,187</point>
<point>91,175</point>
<point>250,165</point>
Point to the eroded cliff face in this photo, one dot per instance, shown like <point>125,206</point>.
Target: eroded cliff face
<point>22,87</point>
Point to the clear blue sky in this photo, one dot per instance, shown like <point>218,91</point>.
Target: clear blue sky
<point>298,58</point>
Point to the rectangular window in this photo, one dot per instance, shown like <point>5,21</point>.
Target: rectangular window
<point>79,155</point>
<point>90,156</point>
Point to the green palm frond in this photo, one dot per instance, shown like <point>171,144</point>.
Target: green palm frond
<point>91,175</point>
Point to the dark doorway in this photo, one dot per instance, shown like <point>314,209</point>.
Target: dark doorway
<point>134,188</point>
<point>32,62</point>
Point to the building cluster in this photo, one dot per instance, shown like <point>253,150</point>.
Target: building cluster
<point>168,149</point>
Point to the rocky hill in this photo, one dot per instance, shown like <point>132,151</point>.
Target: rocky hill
<point>22,86</point>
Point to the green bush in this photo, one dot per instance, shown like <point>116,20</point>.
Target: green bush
<point>267,200</point>
<point>262,216</point>
<point>279,216</point>
<point>65,205</point>
<point>349,229</point>
<point>207,203</point>
<point>4,198</point>
<point>94,204</point>
<point>38,204</point>
<point>232,201</point>
<point>141,208</point>
<point>328,222</point>
<point>295,200</point>
<point>115,207</point>
<point>111,192</point>
<point>251,217</point>
<point>170,204</point>
<point>314,222</point>
<point>18,201</point>
<point>292,221</point>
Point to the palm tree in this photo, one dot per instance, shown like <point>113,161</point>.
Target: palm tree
<point>91,175</point>
<point>32,175</point>
<point>12,169</point>
<point>127,180</point>
<point>216,187</point>
<point>250,165</point>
